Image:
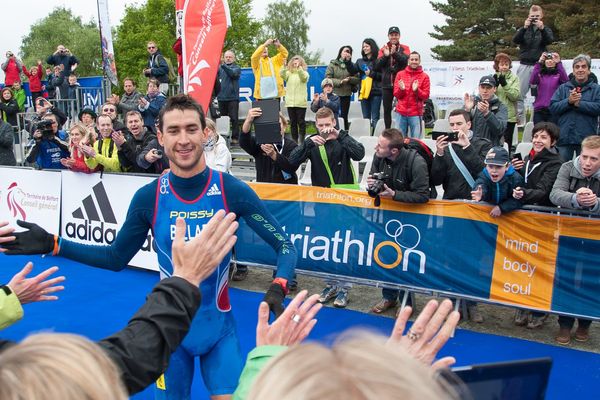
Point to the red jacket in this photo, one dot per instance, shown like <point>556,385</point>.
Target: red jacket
<point>178,49</point>
<point>35,81</point>
<point>11,71</point>
<point>410,103</point>
<point>80,165</point>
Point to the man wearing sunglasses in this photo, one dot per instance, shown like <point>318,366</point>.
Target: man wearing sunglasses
<point>111,110</point>
<point>157,67</point>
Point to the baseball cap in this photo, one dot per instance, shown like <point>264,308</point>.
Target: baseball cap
<point>394,29</point>
<point>496,156</point>
<point>326,81</point>
<point>488,80</point>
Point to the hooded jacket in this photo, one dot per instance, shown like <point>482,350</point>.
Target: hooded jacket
<point>500,193</point>
<point>410,103</point>
<point>296,89</point>
<point>391,64</point>
<point>492,125</point>
<point>257,60</point>
<point>540,172</point>
<point>568,180</point>
<point>35,80</point>
<point>576,123</point>
<point>509,93</point>
<point>547,82</point>
<point>337,70</point>
<point>12,70</point>
<point>532,43</point>
<point>8,109</point>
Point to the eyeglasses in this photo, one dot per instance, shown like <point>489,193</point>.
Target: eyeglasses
<point>109,110</point>
<point>151,47</point>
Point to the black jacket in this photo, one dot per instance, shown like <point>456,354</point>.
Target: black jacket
<point>493,125</point>
<point>445,172</point>
<point>268,170</point>
<point>365,63</point>
<point>390,65</point>
<point>159,68</point>
<point>143,348</point>
<point>340,152</point>
<point>9,110</point>
<point>532,43</point>
<point>7,153</point>
<point>131,149</point>
<point>539,174</point>
<point>407,175</point>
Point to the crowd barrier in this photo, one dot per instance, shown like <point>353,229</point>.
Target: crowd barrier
<point>530,259</point>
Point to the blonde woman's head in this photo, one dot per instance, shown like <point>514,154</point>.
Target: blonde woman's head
<point>296,62</point>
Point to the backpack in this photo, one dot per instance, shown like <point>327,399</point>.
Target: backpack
<point>172,72</point>
<point>429,113</point>
<point>424,151</point>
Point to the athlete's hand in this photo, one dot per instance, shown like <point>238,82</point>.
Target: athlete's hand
<point>274,298</point>
<point>33,241</point>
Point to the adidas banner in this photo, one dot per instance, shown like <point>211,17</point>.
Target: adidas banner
<point>30,195</point>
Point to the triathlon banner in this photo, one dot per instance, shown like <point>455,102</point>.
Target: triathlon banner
<point>204,25</point>
<point>536,260</point>
<point>108,54</point>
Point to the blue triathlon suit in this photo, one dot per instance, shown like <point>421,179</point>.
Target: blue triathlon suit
<point>212,336</point>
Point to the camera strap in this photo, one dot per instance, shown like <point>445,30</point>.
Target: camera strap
<point>461,166</point>
<point>354,186</point>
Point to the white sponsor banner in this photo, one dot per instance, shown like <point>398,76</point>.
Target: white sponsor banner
<point>30,195</point>
<point>108,54</point>
<point>451,80</point>
<point>94,209</point>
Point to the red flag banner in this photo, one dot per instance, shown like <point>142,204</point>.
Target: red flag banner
<point>204,26</point>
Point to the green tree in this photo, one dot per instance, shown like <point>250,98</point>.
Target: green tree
<point>62,27</point>
<point>287,21</point>
<point>476,29</point>
<point>152,21</point>
<point>241,35</point>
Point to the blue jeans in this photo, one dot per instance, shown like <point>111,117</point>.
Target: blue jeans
<point>406,123</point>
<point>371,109</point>
<point>566,151</point>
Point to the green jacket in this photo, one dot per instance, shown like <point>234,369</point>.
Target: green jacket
<point>20,97</point>
<point>255,362</point>
<point>10,308</point>
<point>295,87</point>
<point>509,94</point>
<point>337,70</point>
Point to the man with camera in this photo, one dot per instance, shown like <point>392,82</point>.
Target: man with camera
<point>459,157</point>
<point>136,141</point>
<point>12,67</point>
<point>401,174</point>
<point>532,38</point>
<point>62,56</point>
<point>268,83</point>
<point>488,115</point>
<point>48,148</point>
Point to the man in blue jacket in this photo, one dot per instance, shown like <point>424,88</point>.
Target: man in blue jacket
<point>229,95</point>
<point>576,104</point>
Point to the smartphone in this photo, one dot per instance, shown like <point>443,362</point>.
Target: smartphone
<point>518,156</point>
<point>452,136</point>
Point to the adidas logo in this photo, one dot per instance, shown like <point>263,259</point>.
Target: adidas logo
<point>92,228</point>
<point>213,191</point>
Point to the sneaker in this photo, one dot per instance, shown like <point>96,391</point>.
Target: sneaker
<point>582,334</point>
<point>328,293</point>
<point>341,300</point>
<point>475,315</point>
<point>521,317</point>
<point>383,305</point>
<point>241,272</point>
<point>536,321</point>
<point>564,336</point>
<point>293,286</point>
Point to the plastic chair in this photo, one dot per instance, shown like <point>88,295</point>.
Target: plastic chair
<point>243,109</point>
<point>306,179</point>
<point>441,125</point>
<point>369,142</point>
<point>359,127</point>
<point>524,148</point>
<point>528,132</point>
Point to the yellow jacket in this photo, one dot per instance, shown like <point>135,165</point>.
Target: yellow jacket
<point>109,161</point>
<point>256,60</point>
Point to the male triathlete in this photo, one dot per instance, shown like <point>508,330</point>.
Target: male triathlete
<point>195,192</point>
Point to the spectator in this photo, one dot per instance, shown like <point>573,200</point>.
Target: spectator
<point>532,38</point>
<point>129,100</point>
<point>42,108</point>
<point>370,88</point>
<point>151,104</point>
<point>12,69</point>
<point>411,88</point>
<point>8,106</point>
<point>497,182</point>
<point>50,145</point>
<point>55,79</point>
<point>392,58</point>
<point>343,74</point>
<point>272,160</point>
<point>103,154</point>
<point>508,92</point>
<point>157,68</point>
<point>178,49</point>
<point>405,179</point>
<point>110,109</point>
<point>7,141</point>
<point>327,99</point>
<point>267,79</point>
<point>35,80</point>
<point>547,75</point>
<point>576,104</point>
<point>153,158</point>
<point>22,290</point>
<point>216,152</point>
<point>20,95</point>
<point>577,187</point>
<point>488,115</point>
<point>330,153</point>
<point>229,95</point>
<point>79,134</point>
<point>296,80</point>
<point>72,95</point>
<point>63,57</point>
<point>87,116</point>
<point>539,170</point>
<point>137,139</point>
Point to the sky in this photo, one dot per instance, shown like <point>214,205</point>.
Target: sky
<point>333,23</point>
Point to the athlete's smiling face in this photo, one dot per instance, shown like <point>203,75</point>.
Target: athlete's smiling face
<point>182,138</point>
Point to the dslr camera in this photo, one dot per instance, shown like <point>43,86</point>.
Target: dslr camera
<point>45,127</point>
<point>377,186</point>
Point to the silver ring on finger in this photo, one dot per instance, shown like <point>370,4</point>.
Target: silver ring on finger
<point>296,318</point>
<point>413,336</point>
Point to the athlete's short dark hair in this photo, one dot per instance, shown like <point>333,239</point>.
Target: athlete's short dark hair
<point>181,102</point>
